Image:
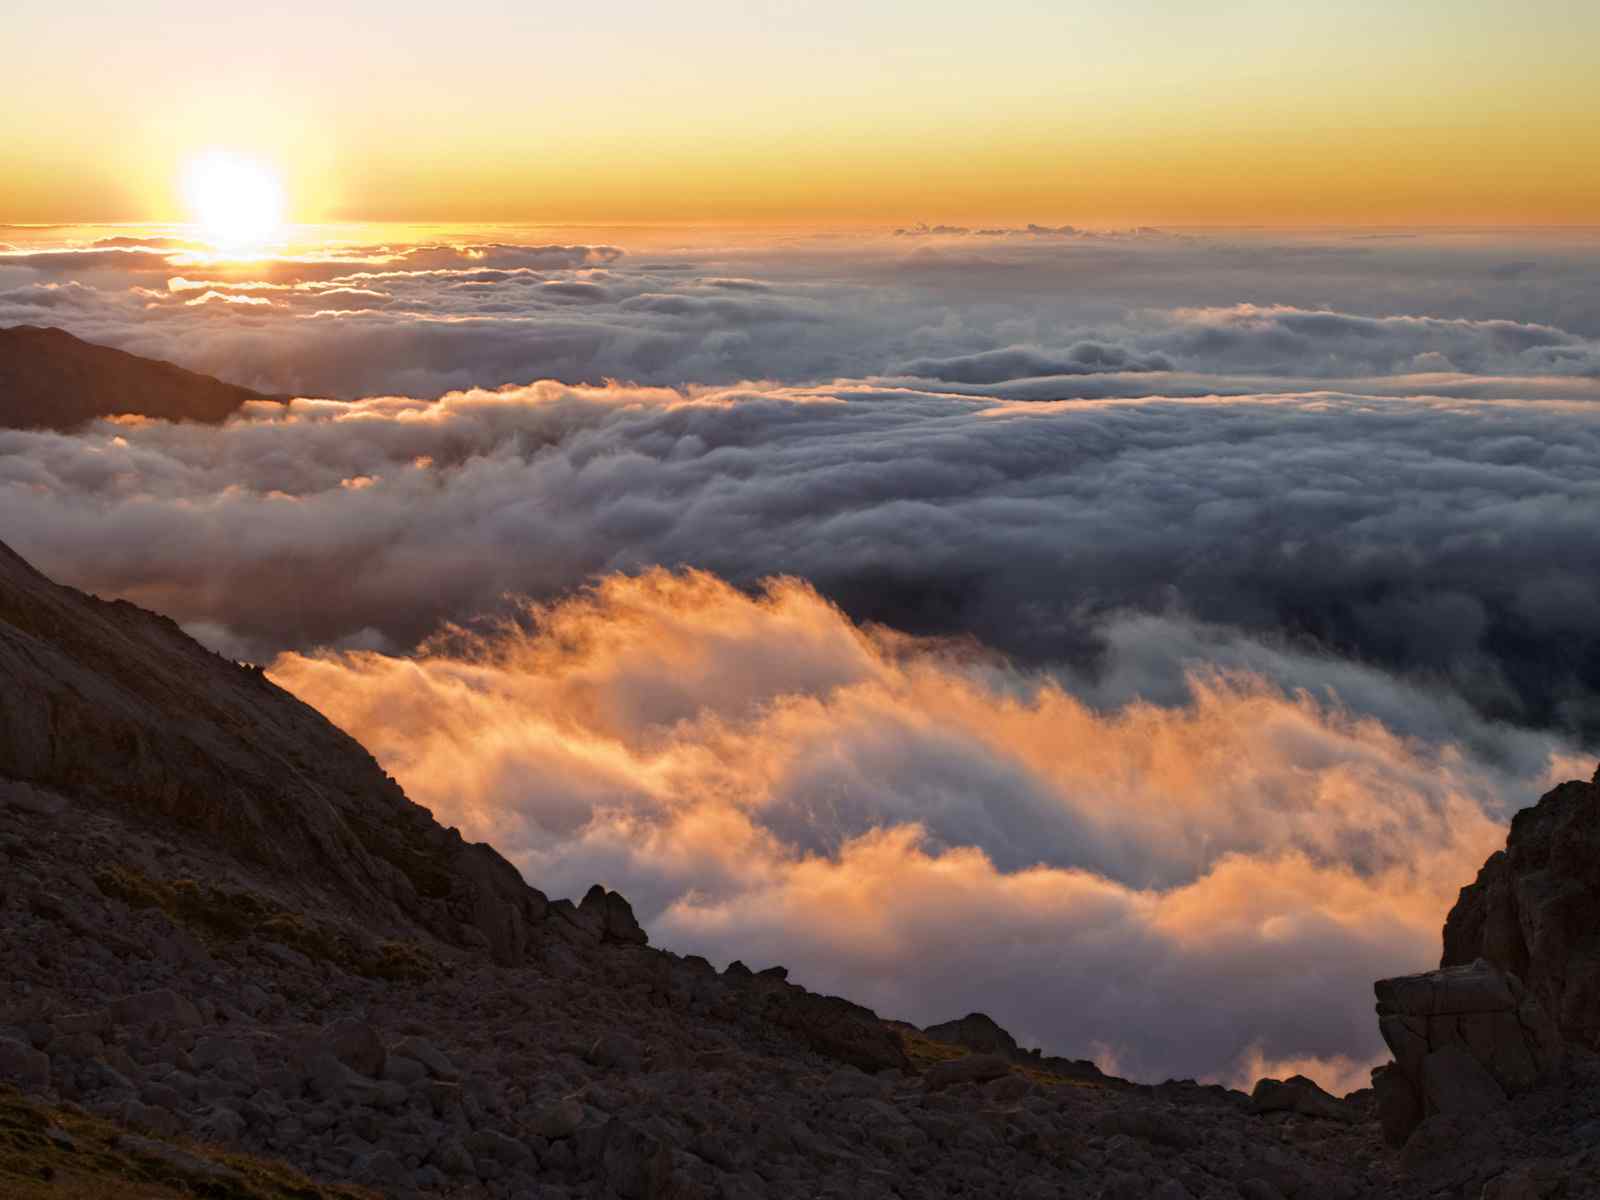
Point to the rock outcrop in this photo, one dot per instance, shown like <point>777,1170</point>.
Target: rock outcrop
<point>1464,1040</point>
<point>50,379</point>
<point>978,1032</point>
<point>1534,909</point>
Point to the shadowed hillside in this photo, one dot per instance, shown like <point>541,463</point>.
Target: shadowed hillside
<point>50,379</point>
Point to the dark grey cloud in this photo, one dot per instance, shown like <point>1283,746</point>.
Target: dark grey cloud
<point>1447,540</point>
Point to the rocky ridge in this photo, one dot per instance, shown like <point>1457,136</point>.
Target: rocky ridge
<point>222,926</point>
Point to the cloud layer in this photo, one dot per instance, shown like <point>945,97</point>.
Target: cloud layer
<point>1076,314</point>
<point>1448,540</point>
<point>1196,889</point>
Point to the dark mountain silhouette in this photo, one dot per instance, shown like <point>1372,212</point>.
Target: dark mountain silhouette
<point>50,379</point>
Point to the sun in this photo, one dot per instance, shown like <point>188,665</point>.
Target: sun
<point>235,199</point>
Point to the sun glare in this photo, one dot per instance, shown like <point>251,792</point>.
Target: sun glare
<point>236,200</point>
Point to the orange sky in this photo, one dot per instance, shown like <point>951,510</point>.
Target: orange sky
<point>1151,111</point>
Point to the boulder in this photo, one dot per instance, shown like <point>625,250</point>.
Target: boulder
<point>430,1056</point>
<point>977,1032</point>
<point>559,1120</point>
<point>1297,1094</point>
<point>1463,1038</point>
<point>355,1044</point>
<point>1534,910</point>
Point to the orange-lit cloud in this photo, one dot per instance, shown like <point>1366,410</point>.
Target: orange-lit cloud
<point>920,826</point>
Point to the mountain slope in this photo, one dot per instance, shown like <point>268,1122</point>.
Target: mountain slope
<point>50,379</point>
<point>103,700</point>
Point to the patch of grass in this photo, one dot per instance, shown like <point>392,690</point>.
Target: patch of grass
<point>51,1154</point>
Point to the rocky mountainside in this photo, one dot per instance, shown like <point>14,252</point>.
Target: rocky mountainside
<point>50,379</point>
<point>1495,1087</point>
<point>1534,909</point>
<point>231,950</point>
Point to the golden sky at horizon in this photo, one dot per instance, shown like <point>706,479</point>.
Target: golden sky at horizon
<point>1151,111</point>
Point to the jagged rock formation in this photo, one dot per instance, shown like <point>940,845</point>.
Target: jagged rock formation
<point>1534,909</point>
<point>1464,1039</point>
<point>50,379</point>
<point>1495,1087</point>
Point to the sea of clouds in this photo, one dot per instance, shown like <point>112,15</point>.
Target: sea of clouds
<point>1137,636</point>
